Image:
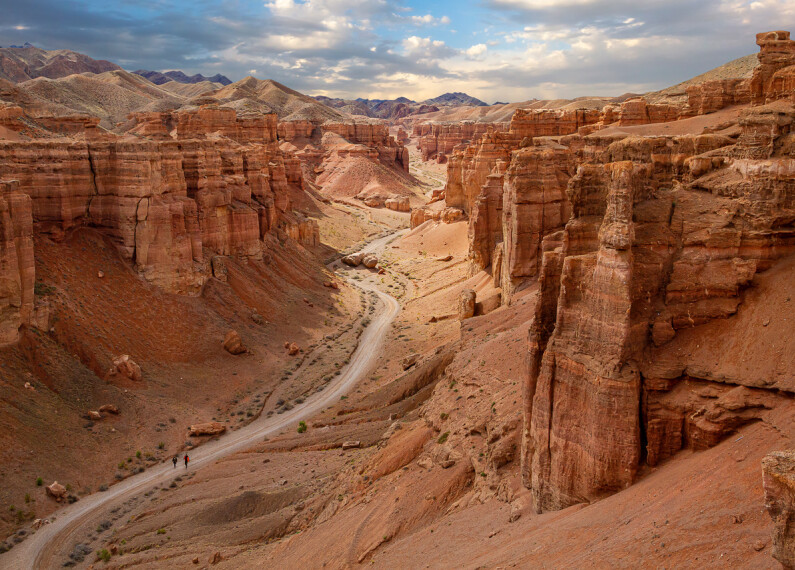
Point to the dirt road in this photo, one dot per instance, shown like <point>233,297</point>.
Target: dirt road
<point>50,544</point>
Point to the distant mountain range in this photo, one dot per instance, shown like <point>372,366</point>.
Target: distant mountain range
<point>159,78</point>
<point>392,109</point>
<point>456,99</point>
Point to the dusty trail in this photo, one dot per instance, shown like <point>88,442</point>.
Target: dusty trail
<point>44,548</point>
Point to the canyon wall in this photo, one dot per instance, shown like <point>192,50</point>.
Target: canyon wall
<point>373,136</point>
<point>218,186</point>
<point>438,140</point>
<point>657,243</point>
<point>635,242</point>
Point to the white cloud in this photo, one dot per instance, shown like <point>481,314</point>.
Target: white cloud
<point>476,50</point>
<point>429,20</point>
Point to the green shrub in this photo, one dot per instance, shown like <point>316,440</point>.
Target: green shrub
<point>39,481</point>
<point>301,427</point>
<point>161,445</point>
<point>103,555</point>
<point>40,289</point>
<point>443,437</point>
<point>138,454</point>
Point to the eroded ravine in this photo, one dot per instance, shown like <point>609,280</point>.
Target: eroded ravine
<point>42,549</point>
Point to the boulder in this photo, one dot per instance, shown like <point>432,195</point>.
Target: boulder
<point>398,203</point>
<point>215,558</point>
<point>778,480</point>
<point>351,445</point>
<point>233,344</point>
<point>370,260</point>
<point>331,284</point>
<point>208,428</point>
<point>353,259</point>
<point>56,490</point>
<point>109,409</point>
<point>125,366</point>
<point>374,201</point>
<point>487,305</point>
<point>294,349</point>
<point>94,415</point>
<point>466,304</point>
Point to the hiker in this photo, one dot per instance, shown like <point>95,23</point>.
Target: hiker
<point>186,460</point>
<point>174,461</point>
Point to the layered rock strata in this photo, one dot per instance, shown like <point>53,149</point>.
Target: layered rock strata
<point>438,140</point>
<point>179,189</point>
<point>664,236</point>
<point>17,268</point>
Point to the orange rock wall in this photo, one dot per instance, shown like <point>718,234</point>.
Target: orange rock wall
<point>221,186</point>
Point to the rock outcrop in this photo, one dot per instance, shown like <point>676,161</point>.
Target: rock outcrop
<point>664,235</point>
<point>778,479</point>
<point>17,269</point>
<point>398,204</point>
<point>186,182</point>
<point>773,76</point>
<point>438,140</point>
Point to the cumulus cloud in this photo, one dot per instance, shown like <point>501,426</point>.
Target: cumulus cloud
<point>476,50</point>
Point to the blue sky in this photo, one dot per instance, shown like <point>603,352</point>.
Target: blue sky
<point>508,50</point>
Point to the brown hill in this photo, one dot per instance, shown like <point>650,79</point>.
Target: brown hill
<point>739,68</point>
<point>23,63</point>
<point>111,96</point>
<point>289,104</point>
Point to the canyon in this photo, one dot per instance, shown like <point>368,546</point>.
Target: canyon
<point>587,358</point>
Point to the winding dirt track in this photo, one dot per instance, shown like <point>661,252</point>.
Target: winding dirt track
<point>53,541</point>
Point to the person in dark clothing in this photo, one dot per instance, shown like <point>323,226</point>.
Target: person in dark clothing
<point>186,460</point>
<point>174,461</point>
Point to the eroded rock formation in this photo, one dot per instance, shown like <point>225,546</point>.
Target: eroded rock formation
<point>179,188</point>
<point>17,269</point>
<point>657,242</point>
<point>778,479</point>
<point>633,241</point>
<point>438,140</point>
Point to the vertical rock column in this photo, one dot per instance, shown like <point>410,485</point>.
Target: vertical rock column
<point>584,441</point>
<point>17,269</point>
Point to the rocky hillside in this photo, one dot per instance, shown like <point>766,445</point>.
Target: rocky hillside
<point>19,64</point>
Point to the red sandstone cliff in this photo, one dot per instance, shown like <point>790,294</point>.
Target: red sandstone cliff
<point>636,241</point>
<point>219,186</point>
